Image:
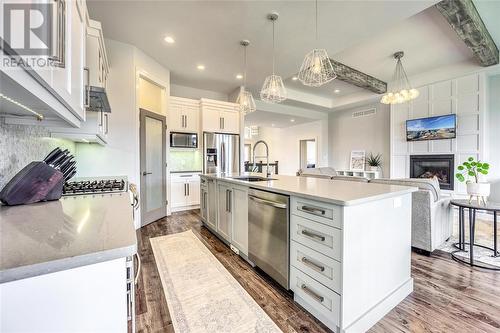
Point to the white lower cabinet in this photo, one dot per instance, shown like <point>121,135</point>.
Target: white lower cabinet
<point>224,209</point>
<point>91,298</point>
<point>184,191</point>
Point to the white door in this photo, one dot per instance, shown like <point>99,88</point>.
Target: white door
<point>224,220</point>
<point>193,193</point>
<point>178,194</point>
<point>192,115</point>
<point>153,167</point>
<point>239,237</point>
<point>211,120</point>
<point>212,204</point>
<point>230,122</point>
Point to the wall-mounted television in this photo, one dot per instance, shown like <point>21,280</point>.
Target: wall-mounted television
<point>432,128</point>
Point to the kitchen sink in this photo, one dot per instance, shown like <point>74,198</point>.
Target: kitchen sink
<point>253,178</point>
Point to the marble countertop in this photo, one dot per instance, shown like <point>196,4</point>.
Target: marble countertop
<point>345,193</point>
<point>74,231</point>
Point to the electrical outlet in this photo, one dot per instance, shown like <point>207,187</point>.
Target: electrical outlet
<point>235,250</point>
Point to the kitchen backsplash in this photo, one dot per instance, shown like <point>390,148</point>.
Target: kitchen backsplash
<point>20,145</point>
<point>185,160</point>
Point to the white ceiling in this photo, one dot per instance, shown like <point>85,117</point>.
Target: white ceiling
<point>272,119</point>
<point>361,34</point>
<point>209,32</point>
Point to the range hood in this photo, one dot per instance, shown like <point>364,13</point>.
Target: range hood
<point>98,100</point>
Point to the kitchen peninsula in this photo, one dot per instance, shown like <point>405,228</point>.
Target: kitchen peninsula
<point>348,244</point>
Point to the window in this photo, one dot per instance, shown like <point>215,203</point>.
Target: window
<point>308,153</point>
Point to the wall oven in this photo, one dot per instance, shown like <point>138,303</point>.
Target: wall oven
<point>183,140</point>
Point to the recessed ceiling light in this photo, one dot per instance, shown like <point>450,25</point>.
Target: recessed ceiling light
<point>169,40</point>
<point>239,76</point>
<point>272,125</point>
<point>201,67</point>
<point>295,78</point>
<point>292,120</point>
<point>336,91</point>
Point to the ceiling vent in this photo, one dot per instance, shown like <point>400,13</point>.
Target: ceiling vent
<point>364,113</point>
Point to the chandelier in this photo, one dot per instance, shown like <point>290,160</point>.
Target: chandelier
<point>316,69</point>
<point>273,90</point>
<point>245,98</point>
<point>401,91</point>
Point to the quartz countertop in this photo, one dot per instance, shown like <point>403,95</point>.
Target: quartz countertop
<point>71,232</point>
<point>345,193</point>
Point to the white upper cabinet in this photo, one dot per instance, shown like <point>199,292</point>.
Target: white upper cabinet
<point>60,86</point>
<point>221,117</point>
<point>184,115</point>
<point>97,60</point>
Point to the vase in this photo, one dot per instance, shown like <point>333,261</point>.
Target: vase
<point>373,168</point>
<point>479,190</point>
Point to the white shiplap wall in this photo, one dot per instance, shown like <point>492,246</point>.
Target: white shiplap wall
<point>464,96</point>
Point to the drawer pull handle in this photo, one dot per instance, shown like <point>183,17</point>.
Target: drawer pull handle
<point>313,235</point>
<point>312,293</point>
<point>312,264</point>
<point>313,210</point>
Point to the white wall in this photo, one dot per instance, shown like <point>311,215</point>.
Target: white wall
<point>194,93</point>
<point>284,144</point>
<point>494,136</point>
<point>370,133</point>
<point>120,157</point>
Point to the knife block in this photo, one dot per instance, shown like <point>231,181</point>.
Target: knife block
<point>34,183</point>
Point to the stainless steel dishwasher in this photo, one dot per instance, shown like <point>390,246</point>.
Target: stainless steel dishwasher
<point>268,233</point>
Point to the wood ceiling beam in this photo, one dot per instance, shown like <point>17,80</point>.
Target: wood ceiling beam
<point>357,78</point>
<point>464,18</point>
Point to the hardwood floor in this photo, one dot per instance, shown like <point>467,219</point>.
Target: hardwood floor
<point>447,297</point>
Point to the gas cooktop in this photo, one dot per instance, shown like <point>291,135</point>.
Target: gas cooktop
<point>95,186</point>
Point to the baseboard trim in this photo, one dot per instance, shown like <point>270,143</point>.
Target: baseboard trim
<point>377,312</point>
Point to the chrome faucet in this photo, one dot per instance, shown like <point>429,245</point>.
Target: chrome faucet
<point>267,156</point>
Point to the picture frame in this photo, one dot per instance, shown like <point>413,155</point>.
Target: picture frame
<point>358,160</point>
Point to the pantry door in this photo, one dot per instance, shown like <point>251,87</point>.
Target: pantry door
<point>153,166</point>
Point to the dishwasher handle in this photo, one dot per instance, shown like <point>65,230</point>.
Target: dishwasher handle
<point>267,202</point>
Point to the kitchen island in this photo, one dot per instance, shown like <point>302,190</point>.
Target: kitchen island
<point>67,264</point>
<point>348,243</point>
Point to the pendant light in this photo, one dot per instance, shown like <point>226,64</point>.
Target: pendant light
<point>273,90</point>
<point>316,69</point>
<point>401,91</point>
<point>245,98</point>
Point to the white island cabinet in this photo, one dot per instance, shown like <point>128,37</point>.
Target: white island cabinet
<point>349,244</point>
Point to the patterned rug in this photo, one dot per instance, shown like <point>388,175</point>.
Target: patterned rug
<point>202,296</point>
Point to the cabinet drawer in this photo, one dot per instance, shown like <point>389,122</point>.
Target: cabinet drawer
<point>322,268</point>
<point>318,211</point>
<point>318,298</point>
<point>185,177</point>
<point>317,236</point>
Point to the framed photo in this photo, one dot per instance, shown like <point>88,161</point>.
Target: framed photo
<point>358,160</point>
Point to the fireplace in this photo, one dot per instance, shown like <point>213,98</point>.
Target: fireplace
<point>429,166</point>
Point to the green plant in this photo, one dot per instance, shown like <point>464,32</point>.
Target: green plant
<point>472,168</point>
<point>374,160</point>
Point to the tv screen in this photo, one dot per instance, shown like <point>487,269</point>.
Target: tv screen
<point>432,128</point>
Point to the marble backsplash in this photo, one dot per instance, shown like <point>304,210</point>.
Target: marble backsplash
<point>185,160</point>
<point>22,144</point>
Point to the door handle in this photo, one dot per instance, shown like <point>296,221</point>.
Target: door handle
<point>107,124</point>
<point>312,293</point>
<point>189,190</point>
<point>313,235</point>
<point>267,202</point>
<point>312,264</point>
<point>146,173</point>
<point>86,101</point>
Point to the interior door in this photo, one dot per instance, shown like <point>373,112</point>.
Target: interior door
<point>153,166</point>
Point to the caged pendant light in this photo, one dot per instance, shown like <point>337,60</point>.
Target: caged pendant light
<point>401,91</point>
<point>273,90</point>
<point>316,69</point>
<point>245,98</point>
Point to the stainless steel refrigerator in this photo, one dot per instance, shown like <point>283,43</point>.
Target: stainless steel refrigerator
<point>221,153</point>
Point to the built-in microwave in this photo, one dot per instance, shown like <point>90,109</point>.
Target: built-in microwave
<point>183,140</point>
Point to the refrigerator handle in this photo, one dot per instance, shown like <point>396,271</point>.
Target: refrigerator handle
<point>223,156</point>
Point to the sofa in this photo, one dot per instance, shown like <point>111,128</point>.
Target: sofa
<point>432,214</point>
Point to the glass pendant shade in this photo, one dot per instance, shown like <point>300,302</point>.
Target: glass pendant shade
<point>316,69</point>
<point>401,91</point>
<point>246,101</point>
<point>273,90</point>
<point>245,98</point>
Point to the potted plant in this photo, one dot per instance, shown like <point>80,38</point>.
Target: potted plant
<point>472,169</point>
<point>374,162</point>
